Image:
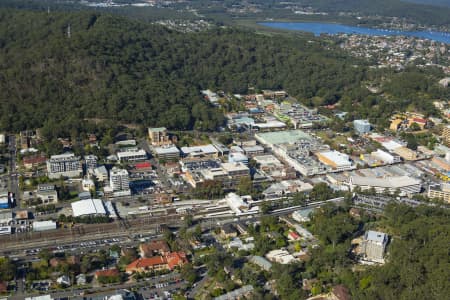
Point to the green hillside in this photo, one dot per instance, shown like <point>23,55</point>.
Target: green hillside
<point>114,68</point>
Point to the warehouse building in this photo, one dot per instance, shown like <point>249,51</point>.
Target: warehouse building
<point>336,160</point>
<point>88,207</point>
<point>404,184</point>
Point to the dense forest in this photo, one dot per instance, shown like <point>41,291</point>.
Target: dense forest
<point>417,264</point>
<point>114,68</point>
<point>125,71</point>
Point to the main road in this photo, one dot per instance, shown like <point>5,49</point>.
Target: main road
<point>13,174</point>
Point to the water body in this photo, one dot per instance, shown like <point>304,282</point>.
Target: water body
<point>330,28</point>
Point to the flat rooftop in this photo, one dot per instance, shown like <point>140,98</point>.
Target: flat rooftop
<point>281,137</point>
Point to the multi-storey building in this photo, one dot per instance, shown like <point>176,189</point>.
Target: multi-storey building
<point>119,180</point>
<point>440,191</point>
<point>132,154</point>
<point>362,126</point>
<point>446,135</point>
<point>374,245</point>
<point>66,165</point>
<point>159,136</point>
<point>90,162</point>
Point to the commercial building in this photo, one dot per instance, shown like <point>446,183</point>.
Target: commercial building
<point>336,160</point>
<point>386,157</point>
<point>286,188</point>
<point>236,170</point>
<point>66,165</point>
<point>374,245</point>
<point>88,207</point>
<point>159,136</point>
<point>405,153</point>
<point>237,157</point>
<point>295,148</point>
<point>440,191</point>
<point>298,115</point>
<point>199,170</point>
<point>405,184</point>
<point>132,154</point>
<point>168,153</point>
<point>272,167</point>
<point>47,193</point>
<point>282,137</point>
<point>119,180</point>
<point>362,126</point>
<point>251,151</point>
<point>200,151</point>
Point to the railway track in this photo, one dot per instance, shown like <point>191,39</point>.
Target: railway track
<point>85,232</point>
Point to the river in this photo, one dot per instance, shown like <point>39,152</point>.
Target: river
<point>332,29</point>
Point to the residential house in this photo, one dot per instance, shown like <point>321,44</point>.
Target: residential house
<point>81,279</point>
<point>34,161</point>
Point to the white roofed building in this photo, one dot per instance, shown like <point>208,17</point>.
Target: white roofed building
<point>286,188</point>
<point>119,180</point>
<point>88,207</point>
<point>405,184</point>
<point>170,152</point>
<point>386,157</point>
<point>132,154</point>
<point>338,161</point>
<point>237,203</point>
<point>200,151</point>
